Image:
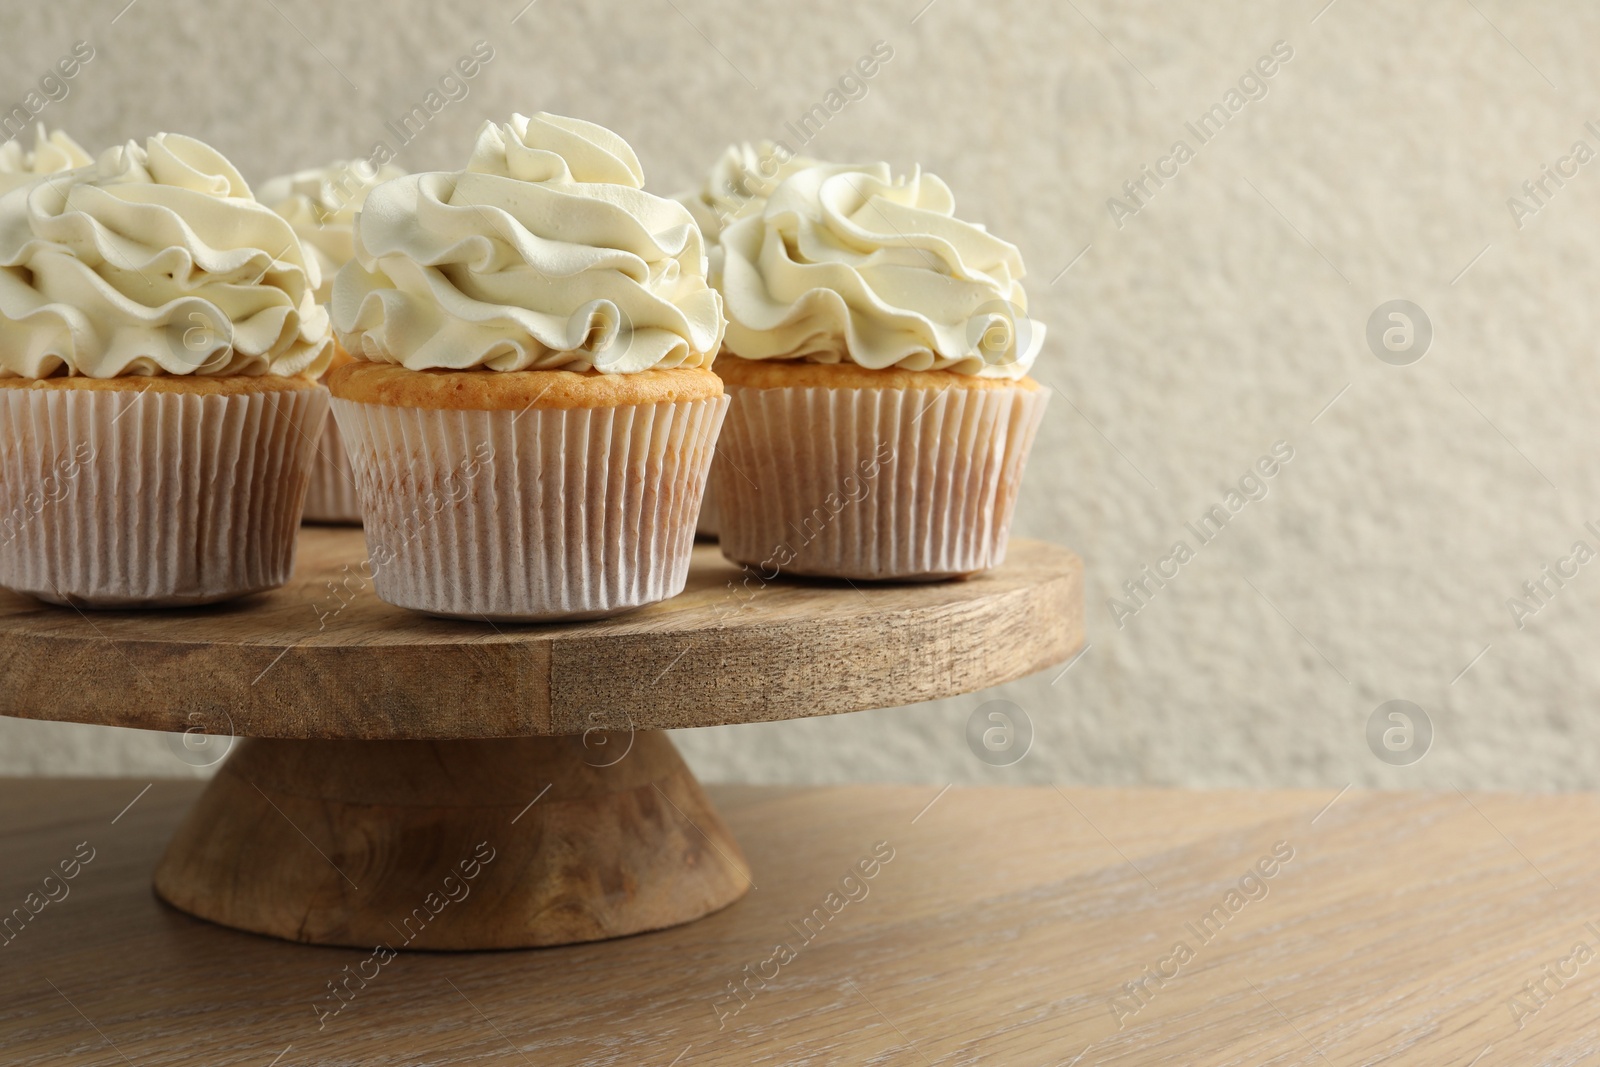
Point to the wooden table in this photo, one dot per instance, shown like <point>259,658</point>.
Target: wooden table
<point>1000,932</point>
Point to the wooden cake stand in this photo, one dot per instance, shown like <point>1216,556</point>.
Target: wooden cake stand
<point>418,783</point>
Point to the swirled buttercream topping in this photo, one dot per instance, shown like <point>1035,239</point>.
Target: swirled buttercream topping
<point>545,253</point>
<point>848,262</point>
<point>321,204</point>
<point>155,260</point>
<point>52,153</point>
<point>739,183</point>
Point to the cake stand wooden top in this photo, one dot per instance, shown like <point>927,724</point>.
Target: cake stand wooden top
<point>323,657</point>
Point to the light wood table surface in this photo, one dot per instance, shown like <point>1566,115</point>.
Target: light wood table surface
<point>1000,932</point>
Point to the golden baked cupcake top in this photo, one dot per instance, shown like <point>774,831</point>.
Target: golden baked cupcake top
<point>545,253</point>
<point>156,259</point>
<point>522,390</point>
<point>851,263</point>
<point>845,374</point>
<point>185,384</point>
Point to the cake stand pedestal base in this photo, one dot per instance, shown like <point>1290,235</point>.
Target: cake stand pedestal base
<point>444,845</point>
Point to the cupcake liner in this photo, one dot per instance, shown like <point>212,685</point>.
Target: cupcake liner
<point>907,484</point>
<point>537,514</point>
<point>705,527</point>
<point>118,499</point>
<point>332,496</point>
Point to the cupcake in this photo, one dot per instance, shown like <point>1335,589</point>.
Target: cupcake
<point>321,204</point>
<point>159,343</point>
<point>737,185</point>
<point>52,153</point>
<point>877,353</point>
<point>531,412</point>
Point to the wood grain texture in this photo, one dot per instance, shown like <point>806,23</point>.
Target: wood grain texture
<point>555,839</point>
<point>323,657</point>
<point>998,934</point>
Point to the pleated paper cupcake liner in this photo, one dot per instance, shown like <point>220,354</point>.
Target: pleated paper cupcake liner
<point>705,527</point>
<point>118,499</point>
<point>332,496</point>
<point>904,484</point>
<point>539,514</point>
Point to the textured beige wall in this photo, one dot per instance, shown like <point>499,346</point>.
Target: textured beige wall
<point>1221,317</point>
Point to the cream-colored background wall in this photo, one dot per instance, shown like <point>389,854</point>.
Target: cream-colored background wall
<point>1222,317</point>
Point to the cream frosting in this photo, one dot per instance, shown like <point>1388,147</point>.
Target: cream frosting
<point>545,253</point>
<point>53,152</point>
<point>321,204</point>
<point>849,262</point>
<point>155,260</point>
<point>739,183</point>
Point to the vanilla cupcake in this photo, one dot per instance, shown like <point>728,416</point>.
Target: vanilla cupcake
<point>531,413</point>
<point>737,185</point>
<point>321,204</point>
<point>877,353</point>
<point>159,343</point>
<point>53,153</point>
